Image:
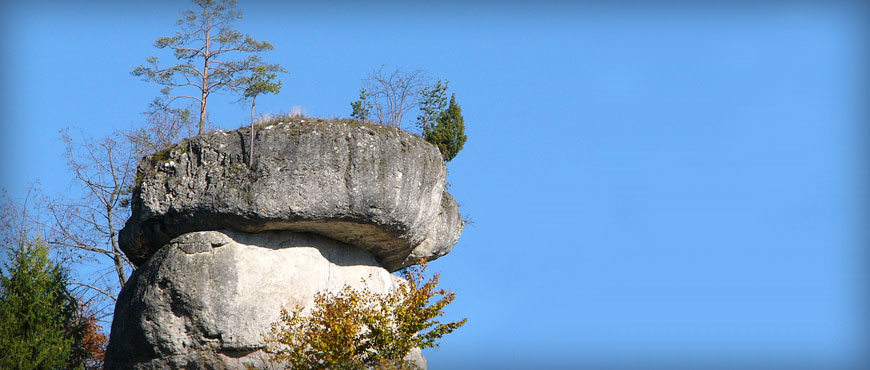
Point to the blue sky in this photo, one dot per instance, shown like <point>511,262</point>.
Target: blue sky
<point>660,184</point>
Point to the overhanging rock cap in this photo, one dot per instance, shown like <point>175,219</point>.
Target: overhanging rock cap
<point>375,187</point>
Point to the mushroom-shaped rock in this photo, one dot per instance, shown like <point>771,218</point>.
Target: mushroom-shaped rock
<point>373,187</point>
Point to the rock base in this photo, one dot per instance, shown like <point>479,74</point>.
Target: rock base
<point>205,300</point>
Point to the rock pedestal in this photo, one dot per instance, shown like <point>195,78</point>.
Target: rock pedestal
<point>222,246</point>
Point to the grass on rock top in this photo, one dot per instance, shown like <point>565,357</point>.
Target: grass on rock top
<point>270,120</point>
<point>263,123</point>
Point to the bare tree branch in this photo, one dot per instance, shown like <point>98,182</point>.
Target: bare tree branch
<point>96,289</point>
<point>394,93</point>
<point>103,170</point>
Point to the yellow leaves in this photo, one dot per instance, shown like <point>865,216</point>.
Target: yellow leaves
<point>360,329</point>
<point>326,338</point>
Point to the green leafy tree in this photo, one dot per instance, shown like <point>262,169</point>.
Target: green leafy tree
<point>362,108</point>
<point>360,329</point>
<point>202,47</point>
<point>448,133</point>
<point>260,81</point>
<point>37,314</point>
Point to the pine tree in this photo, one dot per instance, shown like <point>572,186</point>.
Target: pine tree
<point>203,48</point>
<point>260,81</point>
<point>362,108</point>
<point>433,100</point>
<point>35,311</point>
<point>448,134</point>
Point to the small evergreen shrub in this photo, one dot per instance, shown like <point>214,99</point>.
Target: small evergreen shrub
<point>448,133</point>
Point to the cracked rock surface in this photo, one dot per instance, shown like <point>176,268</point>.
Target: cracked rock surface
<point>373,187</point>
<point>203,301</point>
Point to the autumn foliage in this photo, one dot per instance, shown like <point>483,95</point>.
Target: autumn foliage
<point>360,329</point>
<point>91,346</point>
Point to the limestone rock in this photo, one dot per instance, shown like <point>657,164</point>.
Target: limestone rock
<point>203,301</point>
<point>374,187</point>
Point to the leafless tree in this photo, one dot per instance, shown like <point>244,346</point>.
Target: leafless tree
<point>394,93</point>
<point>103,173</point>
<point>16,219</point>
<point>29,219</point>
<point>82,229</point>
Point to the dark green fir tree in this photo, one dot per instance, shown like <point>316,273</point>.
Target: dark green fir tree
<point>35,309</point>
<point>448,133</point>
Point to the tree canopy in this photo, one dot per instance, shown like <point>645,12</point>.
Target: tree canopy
<point>203,48</point>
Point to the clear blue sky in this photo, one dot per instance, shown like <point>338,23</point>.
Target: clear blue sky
<point>660,184</point>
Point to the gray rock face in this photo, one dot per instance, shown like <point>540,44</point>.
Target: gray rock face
<point>373,187</point>
<point>203,301</point>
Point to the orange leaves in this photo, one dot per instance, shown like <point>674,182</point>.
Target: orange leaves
<point>92,349</point>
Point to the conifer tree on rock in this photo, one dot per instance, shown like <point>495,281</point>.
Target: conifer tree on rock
<point>362,108</point>
<point>448,133</point>
<point>433,101</point>
<point>260,81</point>
<point>201,47</point>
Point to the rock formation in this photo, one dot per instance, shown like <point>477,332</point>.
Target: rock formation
<point>221,246</point>
<point>374,187</point>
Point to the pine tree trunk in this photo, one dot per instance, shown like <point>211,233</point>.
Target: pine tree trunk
<point>202,115</point>
<point>251,158</point>
<point>203,101</point>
